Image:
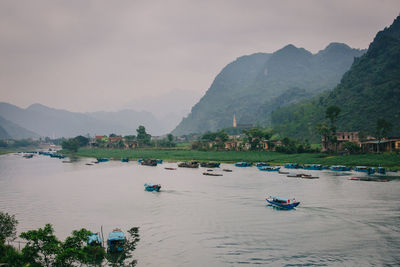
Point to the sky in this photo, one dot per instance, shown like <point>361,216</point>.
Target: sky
<point>84,56</point>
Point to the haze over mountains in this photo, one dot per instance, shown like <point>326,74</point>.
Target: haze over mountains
<point>253,86</point>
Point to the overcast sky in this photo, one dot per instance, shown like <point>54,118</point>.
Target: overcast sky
<point>106,55</point>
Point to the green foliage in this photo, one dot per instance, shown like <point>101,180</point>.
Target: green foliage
<point>82,141</point>
<point>351,147</point>
<point>71,145</point>
<point>142,137</point>
<point>8,226</point>
<point>255,135</point>
<point>368,91</point>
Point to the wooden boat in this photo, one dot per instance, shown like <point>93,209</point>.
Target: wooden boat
<point>261,164</point>
<point>243,164</point>
<point>116,240</point>
<point>28,156</point>
<point>191,164</point>
<point>365,169</point>
<point>102,160</point>
<point>381,170</point>
<point>227,170</point>
<point>94,240</point>
<point>283,203</point>
<point>269,168</point>
<point>169,168</point>
<point>212,174</point>
<point>152,187</point>
<point>125,160</point>
<point>159,161</point>
<point>149,162</point>
<point>282,172</point>
<point>309,177</point>
<point>210,164</point>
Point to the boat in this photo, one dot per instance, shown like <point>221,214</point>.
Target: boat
<point>169,168</point>
<point>368,179</point>
<point>364,169</point>
<point>28,156</point>
<point>190,164</point>
<point>149,162</point>
<point>312,167</point>
<point>56,155</point>
<point>381,170</point>
<point>243,164</point>
<point>152,187</point>
<point>261,164</point>
<point>282,172</point>
<point>309,176</point>
<point>159,161</point>
<point>210,164</point>
<point>94,240</point>
<point>102,160</point>
<point>212,174</point>
<point>292,166</point>
<point>125,160</point>
<point>269,168</point>
<point>139,160</point>
<point>116,240</point>
<point>227,170</point>
<point>283,203</point>
<point>339,168</point>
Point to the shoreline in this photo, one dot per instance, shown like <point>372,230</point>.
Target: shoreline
<point>390,160</point>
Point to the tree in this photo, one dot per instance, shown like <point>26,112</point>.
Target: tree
<point>383,128</point>
<point>170,138</point>
<point>143,138</point>
<point>8,226</point>
<point>82,141</point>
<point>331,113</point>
<point>71,145</point>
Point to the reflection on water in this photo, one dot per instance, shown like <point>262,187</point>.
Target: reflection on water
<point>197,220</point>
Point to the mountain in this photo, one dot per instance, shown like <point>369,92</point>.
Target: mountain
<point>368,91</point>
<point>10,130</point>
<point>61,123</point>
<point>252,86</point>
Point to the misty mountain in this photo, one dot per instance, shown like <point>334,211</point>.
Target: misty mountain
<point>10,130</point>
<point>370,90</point>
<point>52,122</point>
<point>252,86</point>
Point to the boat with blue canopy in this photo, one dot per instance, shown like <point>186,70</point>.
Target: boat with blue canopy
<point>102,160</point>
<point>94,240</point>
<point>292,166</point>
<point>381,170</point>
<point>125,160</point>
<point>317,167</point>
<point>269,168</point>
<point>283,203</point>
<point>116,240</point>
<point>261,164</point>
<point>365,169</point>
<point>339,168</point>
<point>243,164</point>
<point>152,187</point>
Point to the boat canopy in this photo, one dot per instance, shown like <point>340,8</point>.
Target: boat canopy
<point>280,198</point>
<point>116,236</point>
<point>94,238</point>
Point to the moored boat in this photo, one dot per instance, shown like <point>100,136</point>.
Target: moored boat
<point>212,174</point>
<point>243,164</point>
<point>269,168</point>
<point>159,161</point>
<point>102,160</point>
<point>261,164</point>
<point>317,167</point>
<point>116,240</point>
<point>149,162</point>
<point>210,164</point>
<point>152,187</point>
<point>381,170</point>
<point>227,170</point>
<point>169,168</point>
<point>125,160</point>
<point>339,168</point>
<point>94,240</point>
<point>190,164</point>
<point>284,203</point>
<point>292,166</point>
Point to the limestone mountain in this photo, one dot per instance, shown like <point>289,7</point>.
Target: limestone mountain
<point>10,130</point>
<point>368,91</point>
<point>254,85</point>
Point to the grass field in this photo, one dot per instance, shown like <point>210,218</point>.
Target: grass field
<point>386,160</point>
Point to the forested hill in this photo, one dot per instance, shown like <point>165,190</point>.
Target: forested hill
<point>368,91</point>
<point>252,86</point>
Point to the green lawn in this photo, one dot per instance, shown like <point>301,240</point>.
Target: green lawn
<point>387,159</point>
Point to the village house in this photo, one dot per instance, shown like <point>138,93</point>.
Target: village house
<point>342,137</point>
<point>387,144</point>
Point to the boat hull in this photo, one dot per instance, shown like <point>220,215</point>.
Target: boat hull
<point>283,206</point>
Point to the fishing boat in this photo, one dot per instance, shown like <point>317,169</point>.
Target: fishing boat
<point>116,240</point>
<point>312,167</point>
<point>94,240</point>
<point>243,164</point>
<point>152,187</point>
<point>309,176</point>
<point>269,168</point>
<point>210,164</point>
<point>364,169</point>
<point>212,174</point>
<point>282,172</point>
<point>102,160</point>
<point>339,168</point>
<point>190,164</point>
<point>292,166</point>
<point>56,155</point>
<point>159,161</point>
<point>169,168</point>
<point>227,170</point>
<point>149,162</point>
<point>125,160</point>
<point>28,156</point>
<point>283,203</point>
<point>261,164</point>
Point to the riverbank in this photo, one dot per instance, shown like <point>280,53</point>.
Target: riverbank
<point>391,160</point>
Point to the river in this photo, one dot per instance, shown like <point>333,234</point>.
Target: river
<point>198,220</point>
